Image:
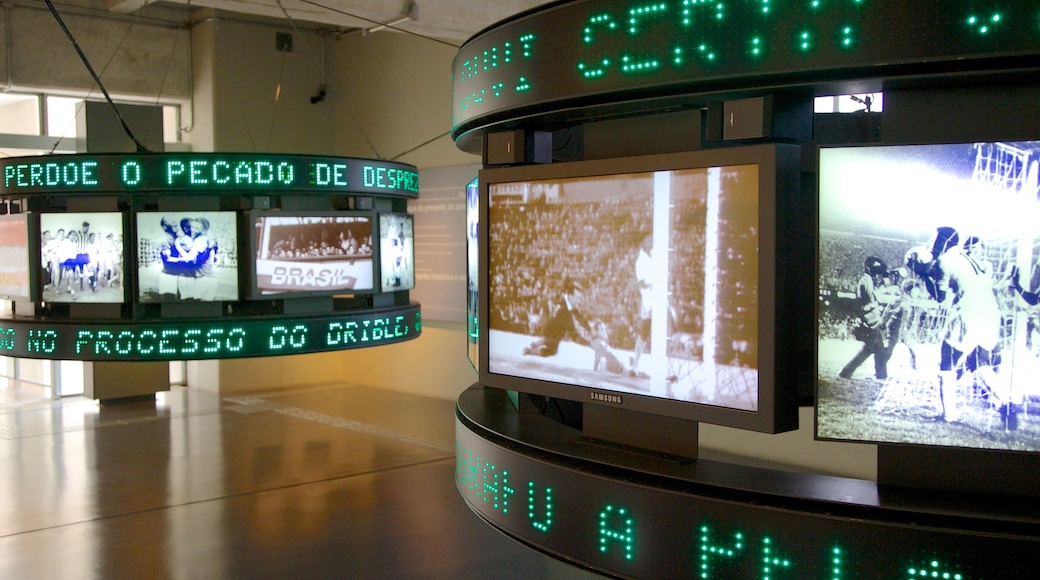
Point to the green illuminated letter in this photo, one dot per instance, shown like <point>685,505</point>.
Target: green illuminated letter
<point>213,340</point>
<point>279,332</point>
<point>221,172</point>
<point>243,173</point>
<point>8,339</point>
<point>88,173</point>
<point>131,173</point>
<point>195,176</point>
<point>322,174</point>
<point>125,342</point>
<point>495,487</point>
<point>264,172</point>
<point>532,508</point>
<point>70,174</point>
<point>82,339</point>
<point>164,341</point>
<point>298,338</point>
<point>101,342</point>
<point>236,339</point>
<point>173,170</point>
<point>467,468</point>
<point>711,550</point>
<point>286,174</point>
<point>615,525</point>
<point>191,345</point>
<point>598,67</point>
<point>143,348</point>
<point>52,174</point>
<point>337,174</point>
<point>931,570</point>
<point>771,562</point>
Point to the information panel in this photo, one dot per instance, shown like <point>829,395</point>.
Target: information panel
<point>207,173</point>
<point>208,339</point>
<point>590,49</point>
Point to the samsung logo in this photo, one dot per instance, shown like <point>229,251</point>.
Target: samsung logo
<point>605,398</point>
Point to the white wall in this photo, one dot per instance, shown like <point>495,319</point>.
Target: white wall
<point>396,90</point>
<point>388,93</point>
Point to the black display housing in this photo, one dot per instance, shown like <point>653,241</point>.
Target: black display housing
<point>778,280</point>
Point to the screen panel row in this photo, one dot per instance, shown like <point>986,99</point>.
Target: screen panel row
<point>203,256</point>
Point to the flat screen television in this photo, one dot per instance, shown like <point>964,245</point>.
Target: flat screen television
<point>652,284</point>
<point>15,266</point>
<point>927,309</point>
<point>81,256</point>
<point>396,252</point>
<point>472,271</point>
<point>311,253</point>
<point>187,256</point>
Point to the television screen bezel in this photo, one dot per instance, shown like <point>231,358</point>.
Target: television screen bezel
<point>37,248</point>
<point>905,448</point>
<point>32,249</point>
<point>252,245</point>
<point>136,241</point>
<point>378,255</point>
<point>779,178</point>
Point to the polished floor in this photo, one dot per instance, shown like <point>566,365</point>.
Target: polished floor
<point>324,482</point>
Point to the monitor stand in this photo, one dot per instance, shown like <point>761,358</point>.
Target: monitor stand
<point>640,432</point>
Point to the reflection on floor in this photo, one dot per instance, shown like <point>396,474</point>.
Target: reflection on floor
<point>327,482</point>
<point>14,391</point>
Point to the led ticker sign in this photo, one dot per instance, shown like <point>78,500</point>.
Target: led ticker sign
<point>627,527</point>
<point>589,48</point>
<point>208,339</point>
<point>206,173</point>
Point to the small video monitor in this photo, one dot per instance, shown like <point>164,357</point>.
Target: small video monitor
<point>81,256</point>
<point>187,256</point>
<point>317,253</point>
<point>396,252</point>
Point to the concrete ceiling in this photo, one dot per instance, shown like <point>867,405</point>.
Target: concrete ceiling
<point>453,21</point>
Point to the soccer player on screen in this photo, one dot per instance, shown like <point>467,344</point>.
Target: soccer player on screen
<point>564,320</point>
<point>956,279</point>
<point>644,269</point>
<point>879,321</point>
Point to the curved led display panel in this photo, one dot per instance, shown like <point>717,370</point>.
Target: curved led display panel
<point>207,173</point>
<point>647,517</point>
<point>153,256</point>
<point>580,53</point>
<point>207,339</point>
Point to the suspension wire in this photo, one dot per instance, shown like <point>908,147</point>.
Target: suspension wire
<point>86,62</point>
<point>166,73</point>
<point>423,144</point>
<point>324,80</point>
<point>307,46</point>
<point>378,23</point>
<point>90,92</point>
<point>277,98</point>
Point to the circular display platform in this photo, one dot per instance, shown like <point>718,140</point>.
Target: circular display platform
<point>636,515</point>
<point>181,256</point>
